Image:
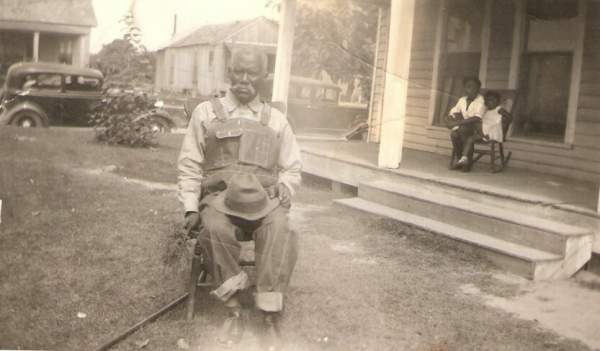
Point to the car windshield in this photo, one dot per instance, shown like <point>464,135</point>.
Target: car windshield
<point>331,95</point>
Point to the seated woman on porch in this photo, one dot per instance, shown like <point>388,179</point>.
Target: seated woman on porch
<point>464,120</point>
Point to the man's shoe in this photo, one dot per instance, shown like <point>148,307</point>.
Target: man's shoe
<point>232,330</point>
<point>272,336</point>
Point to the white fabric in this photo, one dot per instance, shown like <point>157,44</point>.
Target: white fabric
<point>475,109</point>
<point>491,124</point>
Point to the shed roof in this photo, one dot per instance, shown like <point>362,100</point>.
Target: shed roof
<point>211,33</point>
<point>69,12</point>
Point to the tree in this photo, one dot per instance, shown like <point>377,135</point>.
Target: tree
<point>336,37</point>
<point>126,62</point>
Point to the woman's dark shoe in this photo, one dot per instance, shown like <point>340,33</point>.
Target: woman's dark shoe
<point>232,330</point>
<point>467,167</point>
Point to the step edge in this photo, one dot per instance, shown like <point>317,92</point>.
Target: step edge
<point>552,257</point>
<point>577,232</point>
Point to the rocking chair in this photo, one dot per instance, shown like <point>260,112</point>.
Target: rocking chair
<point>492,148</point>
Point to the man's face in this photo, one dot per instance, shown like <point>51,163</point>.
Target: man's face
<point>246,74</point>
<point>471,89</point>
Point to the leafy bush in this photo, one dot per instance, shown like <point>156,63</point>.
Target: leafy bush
<point>123,119</point>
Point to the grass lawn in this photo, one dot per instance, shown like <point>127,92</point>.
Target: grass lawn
<point>75,242</point>
<point>79,243</point>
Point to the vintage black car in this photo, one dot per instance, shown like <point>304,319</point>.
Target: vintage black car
<point>44,94</point>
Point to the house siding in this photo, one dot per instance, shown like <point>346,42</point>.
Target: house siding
<point>580,160</point>
<point>417,134</point>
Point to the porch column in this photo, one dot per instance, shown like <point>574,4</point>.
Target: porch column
<point>598,206</point>
<point>396,83</point>
<point>82,52</point>
<point>285,44</point>
<point>36,46</point>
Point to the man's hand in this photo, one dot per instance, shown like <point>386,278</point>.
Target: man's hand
<point>192,220</point>
<point>284,195</point>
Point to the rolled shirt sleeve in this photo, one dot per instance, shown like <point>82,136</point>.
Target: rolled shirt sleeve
<point>459,107</point>
<point>190,161</point>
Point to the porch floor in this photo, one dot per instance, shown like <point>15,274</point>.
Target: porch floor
<point>527,185</point>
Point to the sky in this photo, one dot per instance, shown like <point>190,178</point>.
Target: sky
<point>155,17</point>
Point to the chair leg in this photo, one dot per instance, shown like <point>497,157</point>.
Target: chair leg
<point>197,269</point>
<point>493,156</point>
<point>452,158</point>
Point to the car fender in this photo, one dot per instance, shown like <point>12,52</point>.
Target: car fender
<point>164,115</point>
<point>24,106</point>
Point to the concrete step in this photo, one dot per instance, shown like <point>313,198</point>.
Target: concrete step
<point>500,222</point>
<point>519,259</point>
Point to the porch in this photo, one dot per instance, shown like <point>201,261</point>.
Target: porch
<point>491,212</point>
<point>526,185</point>
<point>34,46</point>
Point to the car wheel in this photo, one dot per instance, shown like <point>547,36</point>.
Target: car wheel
<point>27,119</point>
<point>159,125</point>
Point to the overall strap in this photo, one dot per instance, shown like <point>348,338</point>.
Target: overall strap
<point>218,109</point>
<point>265,115</point>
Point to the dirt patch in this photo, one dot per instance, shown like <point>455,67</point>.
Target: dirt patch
<point>566,307</point>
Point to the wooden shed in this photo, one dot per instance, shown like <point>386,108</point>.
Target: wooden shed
<point>197,61</point>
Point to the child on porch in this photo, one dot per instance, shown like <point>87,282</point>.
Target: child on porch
<point>494,118</point>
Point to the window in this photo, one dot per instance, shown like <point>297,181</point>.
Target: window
<point>82,83</point>
<point>65,51</point>
<point>305,92</point>
<point>320,93</point>
<point>331,95</point>
<point>211,59</point>
<point>546,69</point>
<point>43,82</point>
<point>460,54</point>
<point>172,69</point>
<point>270,63</point>
<point>195,68</point>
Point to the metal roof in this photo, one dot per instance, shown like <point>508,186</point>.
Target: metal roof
<point>69,12</point>
<point>211,33</point>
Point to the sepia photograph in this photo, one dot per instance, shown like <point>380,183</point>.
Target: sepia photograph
<point>300,175</point>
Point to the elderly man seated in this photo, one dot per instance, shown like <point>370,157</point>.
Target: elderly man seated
<point>233,145</point>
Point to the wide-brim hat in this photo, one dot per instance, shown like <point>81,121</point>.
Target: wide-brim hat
<point>244,197</point>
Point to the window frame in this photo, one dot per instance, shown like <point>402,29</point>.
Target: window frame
<point>439,48</point>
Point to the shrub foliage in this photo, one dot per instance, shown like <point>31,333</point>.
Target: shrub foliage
<point>124,119</point>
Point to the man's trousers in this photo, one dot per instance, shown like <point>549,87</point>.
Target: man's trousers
<point>276,251</point>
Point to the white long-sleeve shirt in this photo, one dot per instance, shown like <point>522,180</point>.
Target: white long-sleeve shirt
<point>475,109</point>
<point>191,157</point>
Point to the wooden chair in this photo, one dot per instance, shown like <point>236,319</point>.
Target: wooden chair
<point>200,272</point>
<point>492,148</point>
